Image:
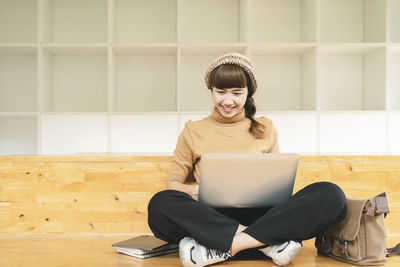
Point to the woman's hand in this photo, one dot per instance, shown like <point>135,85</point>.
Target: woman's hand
<point>195,192</point>
<point>191,189</point>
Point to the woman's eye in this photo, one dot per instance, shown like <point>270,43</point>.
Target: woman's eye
<point>237,94</point>
<point>220,92</point>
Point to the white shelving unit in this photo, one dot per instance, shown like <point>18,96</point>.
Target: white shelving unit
<point>18,22</point>
<point>288,76</point>
<point>210,21</point>
<point>151,21</point>
<point>18,78</point>
<point>73,21</point>
<point>394,78</point>
<point>355,74</point>
<point>282,21</point>
<point>111,63</point>
<point>394,21</point>
<point>354,21</point>
<point>18,134</point>
<point>145,78</point>
<point>74,79</point>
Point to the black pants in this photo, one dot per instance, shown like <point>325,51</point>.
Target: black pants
<point>174,215</point>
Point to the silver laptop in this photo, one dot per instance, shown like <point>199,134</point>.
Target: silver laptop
<point>246,179</point>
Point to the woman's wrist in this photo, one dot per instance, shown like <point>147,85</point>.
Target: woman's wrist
<point>195,190</point>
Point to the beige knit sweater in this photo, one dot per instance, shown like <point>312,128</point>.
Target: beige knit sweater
<point>215,134</point>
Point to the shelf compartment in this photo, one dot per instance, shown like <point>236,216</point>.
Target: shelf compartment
<point>73,21</point>
<point>18,135</point>
<point>131,133</point>
<point>71,134</point>
<point>352,80</point>
<point>18,79</point>
<point>363,133</point>
<point>72,80</point>
<point>145,78</point>
<point>352,21</point>
<point>394,78</point>
<point>288,80</point>
<point>194,94</point>
<point>221,21</point>
<point>145,21</point>
<point>394,20</point>
<point>282,21</point>
<point>18,22</point>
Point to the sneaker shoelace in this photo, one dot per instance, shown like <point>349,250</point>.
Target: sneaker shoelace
<point>213,253</point>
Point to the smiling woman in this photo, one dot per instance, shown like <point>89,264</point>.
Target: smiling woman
<point>229,101</point>
<point>208,235</point>
<point>233,84</point>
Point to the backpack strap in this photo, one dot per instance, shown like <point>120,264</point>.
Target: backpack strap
<point>379,205</point>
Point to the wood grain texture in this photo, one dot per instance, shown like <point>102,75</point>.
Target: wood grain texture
<point>97,251</point>
<point>89,194</point>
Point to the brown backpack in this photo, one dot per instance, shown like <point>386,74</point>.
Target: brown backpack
<point>361,237</point>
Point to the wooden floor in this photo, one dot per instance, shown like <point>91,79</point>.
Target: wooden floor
<point>97,251</point>
<point>85,196</point>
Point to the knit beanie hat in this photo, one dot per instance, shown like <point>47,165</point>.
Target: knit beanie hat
<point>234,59</point>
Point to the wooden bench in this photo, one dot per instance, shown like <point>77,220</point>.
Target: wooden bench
<point>63,205</point>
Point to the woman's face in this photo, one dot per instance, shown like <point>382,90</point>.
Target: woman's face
<point>229,101</point>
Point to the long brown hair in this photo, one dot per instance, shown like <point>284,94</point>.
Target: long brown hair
<point>233,76</point>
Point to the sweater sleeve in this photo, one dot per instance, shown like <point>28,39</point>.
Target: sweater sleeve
<point>182,163</point>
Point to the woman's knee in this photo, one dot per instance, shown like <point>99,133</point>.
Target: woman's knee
<point>332,195</point>
<point>160,207</point>
<point>158,200</point>
<point>157,205</point>
<point>331,190</point>
<point>162,200</point>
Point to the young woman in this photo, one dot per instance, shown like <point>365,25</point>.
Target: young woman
<point>207,235</point>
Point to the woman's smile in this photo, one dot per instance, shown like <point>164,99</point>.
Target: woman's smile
<point>227,110</point>
<point>229,101</point>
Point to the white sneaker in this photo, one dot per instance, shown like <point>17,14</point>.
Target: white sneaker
<point>282,254</point>
<point>192,253</point>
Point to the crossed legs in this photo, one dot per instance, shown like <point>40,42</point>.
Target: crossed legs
<point>174,215</point>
